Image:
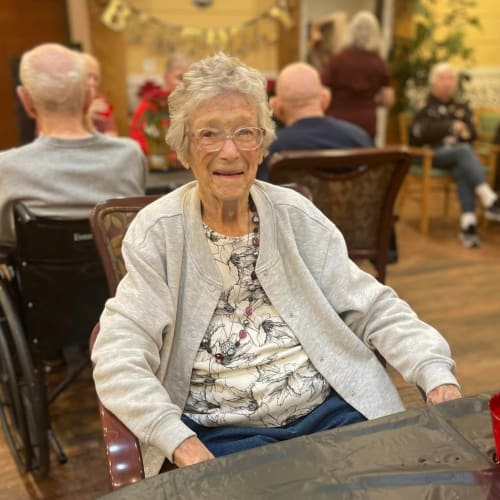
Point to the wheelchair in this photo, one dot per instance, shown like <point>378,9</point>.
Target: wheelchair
<point>52,290</point>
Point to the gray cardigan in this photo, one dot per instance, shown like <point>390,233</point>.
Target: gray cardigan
<point>151,330</point>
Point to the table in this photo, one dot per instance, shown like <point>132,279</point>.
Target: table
<point>163,181</point>
<point>439,452</point>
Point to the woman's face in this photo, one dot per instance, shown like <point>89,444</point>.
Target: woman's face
<point>227,174</point>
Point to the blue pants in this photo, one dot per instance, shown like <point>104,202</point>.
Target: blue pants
<point>468,173</point>
<point>333,412</point>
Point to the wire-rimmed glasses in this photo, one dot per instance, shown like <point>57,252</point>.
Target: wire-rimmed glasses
<point>212,139</point>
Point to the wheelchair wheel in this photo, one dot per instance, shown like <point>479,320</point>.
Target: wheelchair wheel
<point>23,406</point>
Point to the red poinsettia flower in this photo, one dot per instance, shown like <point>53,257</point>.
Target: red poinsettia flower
<point>147,87</point>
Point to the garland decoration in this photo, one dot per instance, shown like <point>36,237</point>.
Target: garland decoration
<point>122,15</point>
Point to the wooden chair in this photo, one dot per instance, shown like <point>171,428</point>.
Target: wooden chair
<point>355,188</point>
<point>423,179</point>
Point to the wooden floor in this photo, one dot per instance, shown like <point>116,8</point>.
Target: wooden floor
<point>455,289</point>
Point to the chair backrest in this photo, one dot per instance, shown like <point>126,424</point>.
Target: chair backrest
<point>355,188</point>
<point>109,222</point>
<point>61,281</point>
<point>487,121</point>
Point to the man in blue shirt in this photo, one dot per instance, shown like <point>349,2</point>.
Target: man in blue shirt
<point>300,103</point>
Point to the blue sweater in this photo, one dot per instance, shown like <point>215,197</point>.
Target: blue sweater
<point>321,132</point>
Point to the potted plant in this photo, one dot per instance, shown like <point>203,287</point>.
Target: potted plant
<point>436,36</point>
<point>156,120</point>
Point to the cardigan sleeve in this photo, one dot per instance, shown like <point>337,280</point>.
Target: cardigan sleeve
<point>384,322</point>
<point>127,351</point>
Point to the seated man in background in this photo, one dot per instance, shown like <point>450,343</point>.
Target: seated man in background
<point>300,103</point>
<point>446,125</point>
<point>176,66</point>
<point>67,169</point>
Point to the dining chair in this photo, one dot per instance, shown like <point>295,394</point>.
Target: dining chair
<point>355,188</point>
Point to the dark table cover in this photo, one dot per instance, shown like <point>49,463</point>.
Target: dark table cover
<point>161,182</point>
<point>439,452</point>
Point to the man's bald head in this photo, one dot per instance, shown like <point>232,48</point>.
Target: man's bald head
<point>299,93</point>
<point>298,81</point>
<point>55,78</point>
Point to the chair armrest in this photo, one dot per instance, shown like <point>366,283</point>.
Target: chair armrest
<point>122,450</point>
<point>423,152</point>
<point>122,447</point>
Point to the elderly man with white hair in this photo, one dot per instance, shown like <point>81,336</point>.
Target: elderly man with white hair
<point>68,169</point>
<point>446,125</point>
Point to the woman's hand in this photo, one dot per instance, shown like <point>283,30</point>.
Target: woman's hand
<point>443,393</point>
<point>191,451</point>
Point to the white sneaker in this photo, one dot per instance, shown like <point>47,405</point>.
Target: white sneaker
<point>469,237</point>
<point>493,211</point>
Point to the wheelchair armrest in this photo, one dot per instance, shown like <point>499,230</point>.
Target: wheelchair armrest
<point>22,211</point>
<point>6,252</point>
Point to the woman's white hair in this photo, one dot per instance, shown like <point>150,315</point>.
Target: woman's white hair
<point>441,67</point>
<point>363,32</point>
<point>211,77</point>
<point>55,77</point>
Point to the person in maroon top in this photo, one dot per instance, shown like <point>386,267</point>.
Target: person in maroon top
<point>177,65</point>
<point>357,76</point>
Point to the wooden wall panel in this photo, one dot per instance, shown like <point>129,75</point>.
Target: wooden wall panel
<point>24,24</point>
<point>110,49</point>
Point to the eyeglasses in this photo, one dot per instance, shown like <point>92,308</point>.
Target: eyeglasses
<point>244,138</point>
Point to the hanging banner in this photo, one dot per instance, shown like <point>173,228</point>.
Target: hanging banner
<point>116,15</point>
<point>122,15</point>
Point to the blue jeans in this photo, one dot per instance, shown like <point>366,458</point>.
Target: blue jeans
<point>333,412</point>
<point>468,173</point>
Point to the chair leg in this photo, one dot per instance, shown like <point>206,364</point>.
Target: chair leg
<point>424,218</point>
<point>446,208</point>
<point>426,192</point>
<point>403,191</point>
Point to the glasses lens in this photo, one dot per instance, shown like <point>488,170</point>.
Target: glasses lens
<point>248,138</point>
<point>209,139</point>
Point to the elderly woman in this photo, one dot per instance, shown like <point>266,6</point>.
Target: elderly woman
<point>358,76</point>
<point>241,321</point>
